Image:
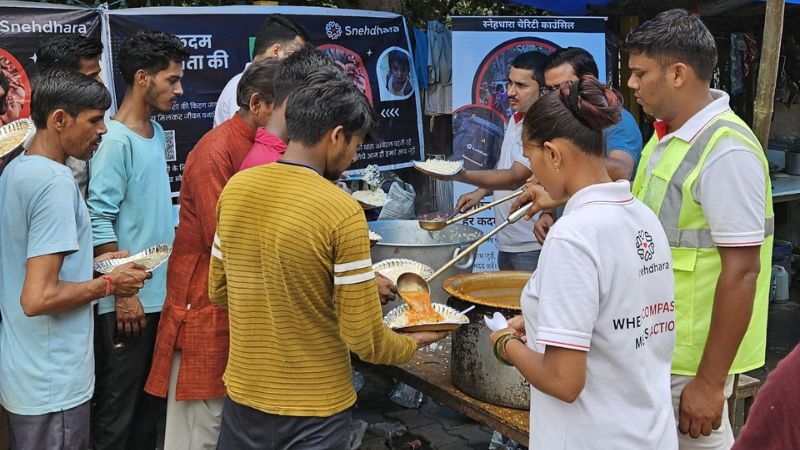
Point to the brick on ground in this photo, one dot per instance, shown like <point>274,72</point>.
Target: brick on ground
<point>411,418</point>
<point>474,434</point>
<point>374,443</point>
<point>448,417</point>
<point>438,437</point>
<point>369,414</point>
<point>454,446</point>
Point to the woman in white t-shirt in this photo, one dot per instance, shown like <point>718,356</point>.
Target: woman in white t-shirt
<point>598,314</point>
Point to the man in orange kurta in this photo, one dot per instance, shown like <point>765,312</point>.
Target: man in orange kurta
<point>192,342</point>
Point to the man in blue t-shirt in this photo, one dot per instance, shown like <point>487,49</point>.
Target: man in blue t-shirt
<point>130,206</point>
<point>46,284</point>
<point>623,140</point>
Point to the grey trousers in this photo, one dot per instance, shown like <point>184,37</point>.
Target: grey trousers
<point>523,261</point>
<point>245,428</point>
<point>62,430</point>
<point>191,424</point>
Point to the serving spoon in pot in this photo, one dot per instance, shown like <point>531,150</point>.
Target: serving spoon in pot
<point>411,282</point>
<point>439,224</point>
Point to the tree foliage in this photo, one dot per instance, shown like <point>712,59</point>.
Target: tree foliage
<point>416,11</point>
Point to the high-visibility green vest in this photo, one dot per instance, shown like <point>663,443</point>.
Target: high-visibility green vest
<point>667,190</point>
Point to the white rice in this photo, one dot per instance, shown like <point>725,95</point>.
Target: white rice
<point>441,166</point>
<point>374,198</point>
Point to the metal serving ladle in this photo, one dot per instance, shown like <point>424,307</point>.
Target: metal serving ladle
<point>439,224</point>
<point>411,282</point>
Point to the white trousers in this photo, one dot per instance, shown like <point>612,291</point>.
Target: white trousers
<point>721,438</point>
<point>191,424</point>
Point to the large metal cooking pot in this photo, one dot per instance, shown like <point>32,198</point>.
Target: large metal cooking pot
<point>473,366</point>
<point>405,239</point>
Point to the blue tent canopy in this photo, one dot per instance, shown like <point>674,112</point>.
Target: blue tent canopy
<point>580,7</point>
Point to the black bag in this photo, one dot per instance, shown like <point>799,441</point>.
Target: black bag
<point>477,141</point>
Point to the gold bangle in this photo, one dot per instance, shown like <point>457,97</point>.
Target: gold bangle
<point>503,352</point>
<point>499,347</point>
<point>495,349</point>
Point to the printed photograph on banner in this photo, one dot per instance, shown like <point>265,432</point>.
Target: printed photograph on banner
<point>18,103</point>
<point>352,65</point>
<point>490,85</point>
<point>22,29</point>
<point>477,136</point>
<point>394,72</point>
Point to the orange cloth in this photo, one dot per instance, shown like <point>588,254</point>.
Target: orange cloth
<point>189,321</point>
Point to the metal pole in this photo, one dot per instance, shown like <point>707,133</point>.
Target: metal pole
<point>768,70</point>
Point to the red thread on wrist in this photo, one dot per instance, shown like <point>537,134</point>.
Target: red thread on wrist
<point>109,285</point>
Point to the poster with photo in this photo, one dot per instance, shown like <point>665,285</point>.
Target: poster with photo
<point>397,80</point>
<point>220,41</point>
<point>483,49</point>
<point>22,28</point>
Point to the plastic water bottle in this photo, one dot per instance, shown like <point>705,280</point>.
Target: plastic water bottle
<point>780,284</point>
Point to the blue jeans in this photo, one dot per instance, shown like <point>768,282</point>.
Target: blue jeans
<point>522,261</point>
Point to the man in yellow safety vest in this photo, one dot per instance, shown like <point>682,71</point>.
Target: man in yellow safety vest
<point>705,175</point>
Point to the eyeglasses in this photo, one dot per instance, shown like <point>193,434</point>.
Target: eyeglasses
<point>544,90</point>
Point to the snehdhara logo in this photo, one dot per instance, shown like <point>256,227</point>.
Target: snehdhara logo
<point>333,30</point>
<point>644,245</point>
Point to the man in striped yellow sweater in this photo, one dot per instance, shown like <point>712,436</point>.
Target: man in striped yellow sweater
<point>291,262</point>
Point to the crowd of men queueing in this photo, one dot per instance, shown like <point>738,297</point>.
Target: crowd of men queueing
<point>244,337</point>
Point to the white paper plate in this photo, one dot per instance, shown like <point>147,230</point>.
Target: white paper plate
<point>14,134</point>
<point>362,198</point>
<point>397,319</point>
<point>151,258</point>
<point>393,268</point>
<point>421,166</point>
